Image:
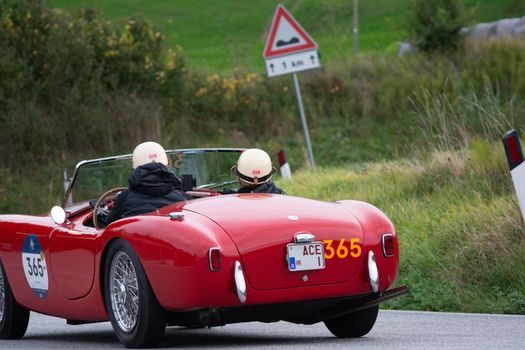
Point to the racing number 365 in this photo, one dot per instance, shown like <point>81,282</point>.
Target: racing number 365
<point>343,248</point>
<point>35,268</point>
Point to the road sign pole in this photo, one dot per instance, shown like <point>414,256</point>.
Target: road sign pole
<point>303,119</point>
<point>289,49</point>
<point>356,26</point>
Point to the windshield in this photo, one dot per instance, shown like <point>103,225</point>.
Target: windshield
<point>211,169</point>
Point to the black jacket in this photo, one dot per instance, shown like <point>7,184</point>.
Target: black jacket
<point>267,187</point>
<point>151,186</point>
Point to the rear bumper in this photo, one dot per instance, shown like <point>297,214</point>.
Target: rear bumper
<point>305,312</point>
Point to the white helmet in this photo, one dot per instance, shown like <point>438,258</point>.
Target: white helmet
<point>254,167</point>
<point>149,152</point>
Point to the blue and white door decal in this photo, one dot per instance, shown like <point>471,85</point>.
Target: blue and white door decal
<point>35,267</point>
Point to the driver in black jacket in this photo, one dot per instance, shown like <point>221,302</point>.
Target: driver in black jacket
<point>152,185</point>
<point>254,171</point>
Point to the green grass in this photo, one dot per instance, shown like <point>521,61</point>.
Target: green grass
<point>222,35</point>
<point>462,242</point>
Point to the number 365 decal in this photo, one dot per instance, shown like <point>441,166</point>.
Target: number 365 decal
<point>342,249</point>
<point>35,267</point>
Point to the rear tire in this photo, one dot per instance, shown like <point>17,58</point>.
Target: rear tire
<point>353,325</point>
<point>13,317</point>
<point>136,316</point>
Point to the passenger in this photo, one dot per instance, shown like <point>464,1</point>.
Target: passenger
<point>152,185</point>
<point>255,171</point>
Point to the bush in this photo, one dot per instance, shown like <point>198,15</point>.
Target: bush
<point>61,73</point>
<point>436,25</point>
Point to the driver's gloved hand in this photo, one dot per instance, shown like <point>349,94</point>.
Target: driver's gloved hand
<point>102,214</point>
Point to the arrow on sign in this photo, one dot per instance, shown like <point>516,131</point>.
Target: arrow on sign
<point>313,59</point>
<point>271,67</point>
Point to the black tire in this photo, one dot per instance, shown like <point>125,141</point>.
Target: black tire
<point>13,317</point>
<point>150,320</point>
<point>353,325</point>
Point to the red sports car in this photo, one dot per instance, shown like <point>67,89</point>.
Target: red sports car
<point>217,259</point>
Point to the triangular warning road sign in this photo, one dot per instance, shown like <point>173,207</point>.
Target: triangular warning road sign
<point>286,36</point>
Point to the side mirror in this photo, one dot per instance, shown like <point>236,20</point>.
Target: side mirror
<point>58,214</point>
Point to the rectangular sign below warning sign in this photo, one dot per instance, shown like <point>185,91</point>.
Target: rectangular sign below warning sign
<point>292,63</point>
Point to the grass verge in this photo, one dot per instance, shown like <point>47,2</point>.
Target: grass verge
<point>462,241</point>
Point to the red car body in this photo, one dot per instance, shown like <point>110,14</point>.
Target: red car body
<point>174,250</point>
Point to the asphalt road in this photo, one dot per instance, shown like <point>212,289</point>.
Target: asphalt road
<point>393,330</point>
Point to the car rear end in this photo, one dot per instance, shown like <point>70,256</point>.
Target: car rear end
<point>282,249</point>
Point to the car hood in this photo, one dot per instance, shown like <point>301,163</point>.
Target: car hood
<point>261,226</point>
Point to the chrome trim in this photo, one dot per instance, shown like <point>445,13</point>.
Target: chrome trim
<point>176,216</point>
<point>198,194</point>
<point>373,272</point>
<point>209,259</point>
<point>129,156</point>
<point>124,292</point>
<point>202,150</point>
<point>240,283</point>
<point>383,244</point>
<point>304,238</point>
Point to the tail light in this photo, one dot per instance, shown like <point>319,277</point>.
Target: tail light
<point>388,244</point>
<point>215,258</point>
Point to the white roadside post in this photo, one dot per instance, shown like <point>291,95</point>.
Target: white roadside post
<point>288,50</point>
<point>286,172</point>
<point>512,145</point>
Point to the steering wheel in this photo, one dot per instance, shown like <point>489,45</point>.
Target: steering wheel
<point>97,204</point>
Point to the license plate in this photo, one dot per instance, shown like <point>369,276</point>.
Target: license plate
<point>305,256</point>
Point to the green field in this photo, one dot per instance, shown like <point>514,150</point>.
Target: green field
<point>224,34</point>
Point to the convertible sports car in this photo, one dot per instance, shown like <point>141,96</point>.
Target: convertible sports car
<point>217,259</point>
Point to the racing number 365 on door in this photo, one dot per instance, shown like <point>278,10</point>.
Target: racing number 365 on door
<point>35,267</point>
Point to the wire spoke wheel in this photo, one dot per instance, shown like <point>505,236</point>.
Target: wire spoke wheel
<point>124,291</point>
<point>136,316</point>
<point>2,295</point>
<point>13,317</point>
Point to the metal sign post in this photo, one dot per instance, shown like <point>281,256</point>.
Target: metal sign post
<point>288,50</point>
<point>303,119</point>
<point>356,26</point>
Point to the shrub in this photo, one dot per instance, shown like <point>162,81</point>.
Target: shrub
<point>436,25</point>
<point>60,75</point>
